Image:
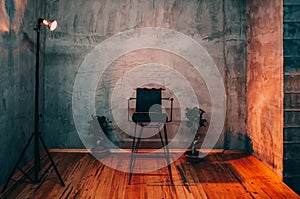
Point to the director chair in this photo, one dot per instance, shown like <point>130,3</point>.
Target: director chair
<point>148,114</point>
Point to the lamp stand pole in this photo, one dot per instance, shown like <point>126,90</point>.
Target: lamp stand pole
<point>36,135</point>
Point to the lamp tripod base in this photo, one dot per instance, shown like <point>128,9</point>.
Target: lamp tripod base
<point>37,165</point>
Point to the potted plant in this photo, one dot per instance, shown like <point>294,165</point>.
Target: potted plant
<point>195,121</point>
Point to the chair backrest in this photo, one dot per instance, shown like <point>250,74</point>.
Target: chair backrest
<point>148,100</point>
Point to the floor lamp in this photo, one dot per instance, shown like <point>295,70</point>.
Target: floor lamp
<point>36,135</point>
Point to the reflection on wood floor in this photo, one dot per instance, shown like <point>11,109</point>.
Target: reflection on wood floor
<point>229,174</point>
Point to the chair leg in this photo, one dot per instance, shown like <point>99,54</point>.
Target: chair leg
<point>161,140</point>
<point>134,150</point>
<point>134,135</point>
<point>137,146</point>
<point>168,154</point>
<point>131,157</point>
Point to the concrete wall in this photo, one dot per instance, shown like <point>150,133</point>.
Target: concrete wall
<point>265,81</point>
<point>235,74</point>
<point>85,24</point>
<point>17,76</point>
<point>218,26</point>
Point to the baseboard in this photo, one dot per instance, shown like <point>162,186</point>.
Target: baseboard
<point>57,150</point>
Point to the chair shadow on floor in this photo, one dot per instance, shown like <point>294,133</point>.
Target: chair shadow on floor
<point>212,170</point>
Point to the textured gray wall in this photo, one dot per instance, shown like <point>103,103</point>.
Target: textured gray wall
<point>235,75</point>
<point>85,24</point>
<point>17,71</point>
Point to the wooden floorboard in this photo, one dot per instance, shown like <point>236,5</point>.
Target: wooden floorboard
<point>219,175</point>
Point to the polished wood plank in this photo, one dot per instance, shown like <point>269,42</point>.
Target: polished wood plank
<point>225,174</point>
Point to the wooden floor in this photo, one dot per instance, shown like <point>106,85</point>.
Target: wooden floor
<point>228,174</point>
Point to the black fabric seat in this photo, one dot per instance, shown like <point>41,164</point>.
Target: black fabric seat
<point>149,117</point>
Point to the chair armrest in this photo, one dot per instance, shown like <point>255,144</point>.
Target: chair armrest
<point>128,108</point>
<point>171,99</point>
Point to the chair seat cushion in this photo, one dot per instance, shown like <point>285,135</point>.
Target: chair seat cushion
<point>149,117</point>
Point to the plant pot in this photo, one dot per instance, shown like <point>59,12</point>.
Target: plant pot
<point>194,157</point>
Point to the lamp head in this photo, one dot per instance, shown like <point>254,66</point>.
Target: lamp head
<point>52,24</point>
